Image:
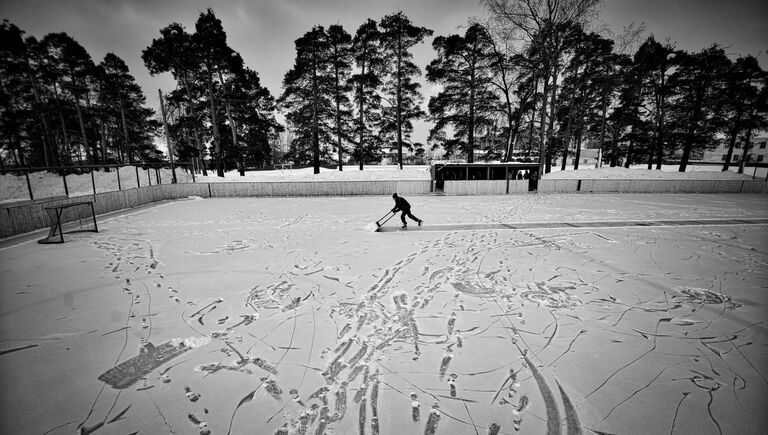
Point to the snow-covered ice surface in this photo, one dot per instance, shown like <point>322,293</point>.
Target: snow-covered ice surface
<point>250,315</point>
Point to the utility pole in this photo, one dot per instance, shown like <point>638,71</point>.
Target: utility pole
<point>167,139</point>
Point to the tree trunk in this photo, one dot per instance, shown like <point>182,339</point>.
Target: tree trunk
<point>362,118</point>
<point>198,142</point>
<point>233,128</point>
<point>398,102</point>
<point>511,134</point>
<point>745,153</point>
<point>167,136</point>
<point>689,137</point>
<point>82,130</point>
<point>732,139</point>
<point>629,152</point>
<point>216,134</point>
<point>94,127</point>
<point>48,154</point>
<point>66,149</point>
<point>471,125</point>
<point>615,144</point>
<point>543,126</point>
<point>650,158</point>
<point>553,107</point>
<point>102,133</point>
<point>315,132</point>
<point>531,124</point>
<point>602,129</point>
<point>567,141</point>
<point>578,151</point>
<point>126,140</point>
<point>686,151</point>
<point>660,122</point>
<point>338,119</point>
<point>103,142</point>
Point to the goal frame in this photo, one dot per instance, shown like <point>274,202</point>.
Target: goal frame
<point>56,232</point>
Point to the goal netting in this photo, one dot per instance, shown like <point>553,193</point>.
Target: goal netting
<point>69,218</point>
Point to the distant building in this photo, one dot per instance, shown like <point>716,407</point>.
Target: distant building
<point>757,153</point>
<point>587,158</point>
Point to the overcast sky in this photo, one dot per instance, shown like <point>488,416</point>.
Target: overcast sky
<point>263,31</point>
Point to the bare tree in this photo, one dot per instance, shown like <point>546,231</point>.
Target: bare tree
<point>542,23</point>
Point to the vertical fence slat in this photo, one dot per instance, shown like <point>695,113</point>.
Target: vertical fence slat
<point>29,186</point>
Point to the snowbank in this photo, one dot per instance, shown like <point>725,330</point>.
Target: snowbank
<point>644,174</point>
<point>349,173</point>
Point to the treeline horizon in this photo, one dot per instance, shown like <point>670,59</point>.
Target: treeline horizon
<point>530,80</point>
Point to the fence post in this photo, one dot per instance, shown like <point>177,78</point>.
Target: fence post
<point>93,182</point>
<point>29,185</point>
<point>149,177</point>
<point>138,184</point>
<point>64,178</point>
<point>119,188</point>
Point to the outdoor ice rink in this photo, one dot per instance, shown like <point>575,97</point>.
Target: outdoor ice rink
<point>502,314</point>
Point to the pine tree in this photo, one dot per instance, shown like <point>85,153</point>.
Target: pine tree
<point>340,59</point>
<point>122,96</point>
<point>741,96</point>
<point>215,58</point>
<point>71,64</point>
<point>544,25</point>
<point>698,83</point>
<point>252,119</point>
<point>466,102</point>
<point>402,92</point>
<point>16,106</point>
<point>308,98</point>
<point>654,60</point>
<point>366,82</point>
<point>175,52</point>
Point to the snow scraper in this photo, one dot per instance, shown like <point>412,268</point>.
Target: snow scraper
<point>382,221</point>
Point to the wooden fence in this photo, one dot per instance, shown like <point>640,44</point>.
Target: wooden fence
<point>19,218</point>
<point>26,216</point>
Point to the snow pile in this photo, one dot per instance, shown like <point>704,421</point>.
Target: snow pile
<point>349,173</point>
<point>644,174</point>
<point>44,184</point>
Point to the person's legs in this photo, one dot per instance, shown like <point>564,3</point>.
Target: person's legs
<point>411,216</point>
<point>402,217</point>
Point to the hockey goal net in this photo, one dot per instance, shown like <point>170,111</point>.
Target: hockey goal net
<point>69,218</point>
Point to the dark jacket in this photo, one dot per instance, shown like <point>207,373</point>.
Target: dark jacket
<point>401,204</point>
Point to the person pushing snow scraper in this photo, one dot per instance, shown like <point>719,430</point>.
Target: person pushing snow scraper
<point>402,205</point>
